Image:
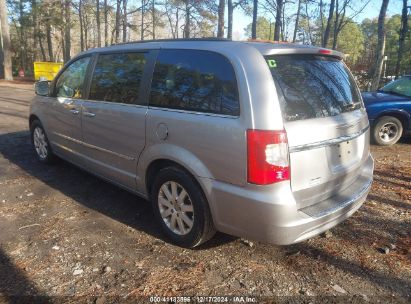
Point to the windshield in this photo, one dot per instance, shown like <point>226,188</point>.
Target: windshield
<point>312,86</point>
<point>401,86</point>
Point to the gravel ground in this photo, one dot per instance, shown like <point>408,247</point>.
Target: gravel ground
<point>67,236</point>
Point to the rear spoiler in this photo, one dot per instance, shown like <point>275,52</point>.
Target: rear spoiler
<point>286,48</point>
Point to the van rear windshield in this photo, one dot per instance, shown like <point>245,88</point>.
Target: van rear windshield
<point>312,86</point>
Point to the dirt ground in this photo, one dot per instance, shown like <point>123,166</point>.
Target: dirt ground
<point>67,236</point>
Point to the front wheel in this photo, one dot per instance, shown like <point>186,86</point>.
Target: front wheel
<point>40,143</point>
<point>181,208</point>
<point>387,131</point>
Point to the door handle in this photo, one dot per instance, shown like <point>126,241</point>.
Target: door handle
<point>89,114</point>
<point>74,111</point>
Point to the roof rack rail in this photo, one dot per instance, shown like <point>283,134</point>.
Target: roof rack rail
<point>173,40</point>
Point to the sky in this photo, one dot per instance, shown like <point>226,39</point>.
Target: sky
<point>240,20</point>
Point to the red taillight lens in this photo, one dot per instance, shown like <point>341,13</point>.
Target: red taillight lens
<point>325,51</point>
<point>267,157</point>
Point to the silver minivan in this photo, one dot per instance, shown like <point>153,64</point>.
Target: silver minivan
<point>265,141</point>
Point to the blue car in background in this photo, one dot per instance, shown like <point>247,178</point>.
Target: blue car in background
<point>389,111</point>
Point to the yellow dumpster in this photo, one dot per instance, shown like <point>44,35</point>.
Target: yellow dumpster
<point>46,69</point>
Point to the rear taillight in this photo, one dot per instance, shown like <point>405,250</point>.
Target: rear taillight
<point>267,157</point>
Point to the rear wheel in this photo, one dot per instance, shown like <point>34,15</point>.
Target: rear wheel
<point>387,131</point>
<point>181,208</point>
<point>40,142</point>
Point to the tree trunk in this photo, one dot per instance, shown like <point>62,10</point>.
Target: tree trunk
<point>113,32</point>
<point>98,23</point>
<point>143,3</point>
<point>341,20</point>
<point>380,47</point>
<point>80,16</point>
<point>187,22</point>
<point>35,29</point>
<point>336,22</point>
<point>124,20</point>
<point>283,22</point>
<point>322,21</point>
<point>170,20</point>
<point>297,19</point>
<point>328,26</point>
<point>403,35</point>
<point>230,11</point>
<point>23,40</point>
<point>105,23</point>
<point>221,11</point>
<point>86,27</point>
<point>62,31</point>
<point>254,24</point>
<point>278,20</point>
<point>310,36</point>
<point>67,25</point>
<point>153,17</point>
<point>48,34</point>
<point>5,34</point>
<point>63,46</point>
<point>43,52</point>
<point>177,27</point>
<point>117,26</point>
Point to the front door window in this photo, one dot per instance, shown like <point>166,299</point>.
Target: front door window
<point>70,84</point>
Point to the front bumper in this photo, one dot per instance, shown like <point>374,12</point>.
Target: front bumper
<point>270,214</point>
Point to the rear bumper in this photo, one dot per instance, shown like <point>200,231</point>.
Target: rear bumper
<point>270,214</point>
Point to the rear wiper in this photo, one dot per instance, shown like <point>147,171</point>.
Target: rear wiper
<point>350,107</point>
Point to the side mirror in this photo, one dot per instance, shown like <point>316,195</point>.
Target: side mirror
<point>42,88</point>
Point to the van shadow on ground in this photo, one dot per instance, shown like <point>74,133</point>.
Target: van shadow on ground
<point>87,189</point>
<point>15,287</point>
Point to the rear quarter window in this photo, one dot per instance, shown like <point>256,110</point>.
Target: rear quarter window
<point>312,86</point>
<point>194,80</point>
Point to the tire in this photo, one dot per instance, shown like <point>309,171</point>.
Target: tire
<point>40,143</point>
<point>387,131</point>
<point>172,213</point>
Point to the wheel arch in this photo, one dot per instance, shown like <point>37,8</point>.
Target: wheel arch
<point>158,164</point>
<point>32,118</point>
<point>159,155</point>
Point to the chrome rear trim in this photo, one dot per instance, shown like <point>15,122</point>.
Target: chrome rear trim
<point>328,142</point>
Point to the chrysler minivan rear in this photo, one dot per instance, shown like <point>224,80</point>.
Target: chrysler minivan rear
<point>317,170</point>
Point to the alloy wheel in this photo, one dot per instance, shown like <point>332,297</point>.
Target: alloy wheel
<point>176,208</point>
<point>40,142</point>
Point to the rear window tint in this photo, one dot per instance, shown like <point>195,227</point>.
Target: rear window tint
<point>312,86</point>
<point>193,80</point>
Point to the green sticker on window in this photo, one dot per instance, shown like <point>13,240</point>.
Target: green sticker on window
<point>272,63</point>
